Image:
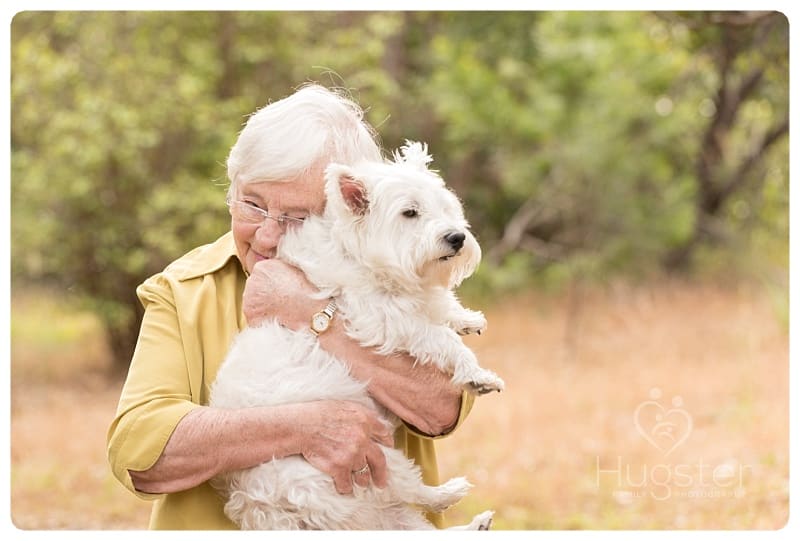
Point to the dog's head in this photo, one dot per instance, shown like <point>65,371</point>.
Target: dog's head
<point>401,222</point>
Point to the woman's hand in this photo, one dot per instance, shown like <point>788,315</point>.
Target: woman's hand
<point>337,437</point>
<point>341,439</point>
<point>277,289</point>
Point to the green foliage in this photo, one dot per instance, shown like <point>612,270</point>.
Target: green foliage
<point>114,152</point>
<point>593,123</point>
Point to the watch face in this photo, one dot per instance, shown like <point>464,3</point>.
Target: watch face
<point>319,322</point>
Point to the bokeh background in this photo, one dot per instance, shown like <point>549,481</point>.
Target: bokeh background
<point>625,172</point>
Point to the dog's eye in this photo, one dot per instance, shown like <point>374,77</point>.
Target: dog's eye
<point>411,213</point>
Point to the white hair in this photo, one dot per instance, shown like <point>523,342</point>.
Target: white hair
<point>298,134</point>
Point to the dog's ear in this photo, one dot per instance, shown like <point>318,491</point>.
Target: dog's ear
<point>354,194</point>
<point>352,190</point>
<point>415,154</point>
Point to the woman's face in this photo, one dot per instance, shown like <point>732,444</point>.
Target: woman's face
<point>296,199</point>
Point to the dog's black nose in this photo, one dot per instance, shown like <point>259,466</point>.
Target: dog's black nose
<point>455,239</point>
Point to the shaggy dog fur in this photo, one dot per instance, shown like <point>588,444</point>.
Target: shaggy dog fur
<point>390,247</point>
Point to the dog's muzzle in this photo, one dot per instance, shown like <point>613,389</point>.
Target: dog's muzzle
<point>455,240</point>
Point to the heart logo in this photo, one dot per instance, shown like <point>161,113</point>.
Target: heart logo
<point>665,429</point>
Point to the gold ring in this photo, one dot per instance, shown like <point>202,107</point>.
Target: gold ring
<point>365,469</point>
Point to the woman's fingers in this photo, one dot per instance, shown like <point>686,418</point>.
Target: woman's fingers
<point>345,442</point>
<point>377,466</point>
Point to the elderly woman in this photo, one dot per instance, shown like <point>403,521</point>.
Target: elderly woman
<point>165,442</point>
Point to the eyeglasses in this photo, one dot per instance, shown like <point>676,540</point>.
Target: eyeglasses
<point>251,214</point>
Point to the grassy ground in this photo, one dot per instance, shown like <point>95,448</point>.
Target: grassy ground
<point>61,405</point>
<point>661,406</point>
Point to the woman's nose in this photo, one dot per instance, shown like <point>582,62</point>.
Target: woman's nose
<point>268,234</point>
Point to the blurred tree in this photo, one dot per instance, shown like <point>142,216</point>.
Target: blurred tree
<point>590,126</point>
<point>580,142</point>
<point>118,130</point>
<point>748,113</point>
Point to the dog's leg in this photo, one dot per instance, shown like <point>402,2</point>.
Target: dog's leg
<point>482,521</point>
<point>469,375</point>
<point>406,485</point>
<point>456,316</point>
<point>432,498</point>
<point>444,348</point>
<point>466,321</point>
<point>440,497</point>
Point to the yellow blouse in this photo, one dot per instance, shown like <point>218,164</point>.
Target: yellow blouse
<point>193,309</point>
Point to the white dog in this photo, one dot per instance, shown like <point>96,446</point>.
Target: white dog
<point>389,248</point>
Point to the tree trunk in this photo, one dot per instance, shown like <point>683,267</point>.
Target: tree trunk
<point>715,184</point>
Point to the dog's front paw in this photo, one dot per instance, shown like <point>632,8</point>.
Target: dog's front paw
<point>480,382</point>
<point>484,387</point>
<point>473,323</point>
<point>482,521</point>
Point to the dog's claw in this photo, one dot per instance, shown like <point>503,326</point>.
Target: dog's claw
<point>469,323</point>
<point>482,389</point>
<point>469,330</point>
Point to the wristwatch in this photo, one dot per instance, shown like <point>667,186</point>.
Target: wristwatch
<point>322,319</point>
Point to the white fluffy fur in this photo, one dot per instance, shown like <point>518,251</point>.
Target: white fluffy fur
<point>392,275</point>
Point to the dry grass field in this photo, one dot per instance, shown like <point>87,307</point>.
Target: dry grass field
<point>627,407</point>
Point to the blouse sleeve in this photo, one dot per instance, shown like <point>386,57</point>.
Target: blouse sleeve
<point>156,394</point>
